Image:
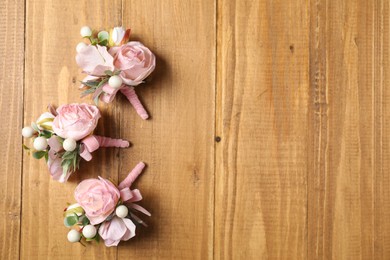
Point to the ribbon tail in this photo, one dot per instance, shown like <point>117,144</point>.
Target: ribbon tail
<point>132,176</point>
<point>111,142</point>
<point>140,209</point>
<point>130,94</point>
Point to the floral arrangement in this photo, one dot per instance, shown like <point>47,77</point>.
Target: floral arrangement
<point>105,211</point>
<point>64,136</point>
<point>113,63</point>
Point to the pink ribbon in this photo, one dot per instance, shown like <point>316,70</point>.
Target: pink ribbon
<point>130,94</point>
<point>93,142</point>
<point>130,196</point>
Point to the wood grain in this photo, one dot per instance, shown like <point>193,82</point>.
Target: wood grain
<point>52,32</point>
<point>347,199</point>
<point>11,104</point>
<point>262,119</point>
<point>177,142</point>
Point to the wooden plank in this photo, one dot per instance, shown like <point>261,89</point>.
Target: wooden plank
<point>262,119</point>
<point>11,104</point>
<point>381,130</point>
<point>177,142</point>
<point>52,75</point>
<point>348,189</point>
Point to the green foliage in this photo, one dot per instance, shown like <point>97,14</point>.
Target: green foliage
<point>71,220</point>
<point>39,154</point>
<point>45,133</point>
<point>70,161</point>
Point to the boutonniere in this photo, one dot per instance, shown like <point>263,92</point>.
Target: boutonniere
<point>114,64</point>
<point>65,135</point>
<point>105,211</point>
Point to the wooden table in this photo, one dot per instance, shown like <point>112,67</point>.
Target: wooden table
<point>268,137</point>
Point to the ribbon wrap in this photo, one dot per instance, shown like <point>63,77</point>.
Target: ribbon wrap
<point>129,196</point>
<point>93,142</point>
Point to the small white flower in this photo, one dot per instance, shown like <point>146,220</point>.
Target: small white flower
<point>40,143</point>
<point>74,236</point>
<point>89,231</point>
<point>122,211</point>
<point>117,35</point>
<point>69,144</point>
<point>45,121</point>
<point>115,81</point>
<point>85,31</point>
<point>28,132</point>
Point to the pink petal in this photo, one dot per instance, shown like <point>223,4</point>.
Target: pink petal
<point>94,60</point>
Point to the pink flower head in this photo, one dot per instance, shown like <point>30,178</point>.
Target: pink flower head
<point>98,197</point>
<point>94,60</point>
<point>135,61</point>
<point>115,230</point>
<point>75,121</point>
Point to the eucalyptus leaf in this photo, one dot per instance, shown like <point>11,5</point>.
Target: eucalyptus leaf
<point>108,72</point>
<point>45,133</point>
<point>90,83</point>
<point>85,221</point>
<point>39,154</point>
<point>103,36</point>
<point>70,221</point>
<point>35,127</point>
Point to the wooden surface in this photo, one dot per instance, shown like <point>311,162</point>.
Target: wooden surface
<point>268,136</point>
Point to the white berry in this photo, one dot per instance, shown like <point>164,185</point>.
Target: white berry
<point>74,236</point>
<point>121,211</point>
<point>115,81</point>
<point>80,46</point>
<point>28,131</point>
<point>89,231</point>
<point>85,31</point>
<point>40,143</point>
<point>69,144</point>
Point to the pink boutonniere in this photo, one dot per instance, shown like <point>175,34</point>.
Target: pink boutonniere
<point>114,64</point>
<point>105,211</point>
<point>65,135</point>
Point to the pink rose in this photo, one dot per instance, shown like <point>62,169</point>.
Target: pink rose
<point>135,61</point>
<point>94,60</point>
<point>115,230</point>
<point>75,121</point>
<point>98,197</point>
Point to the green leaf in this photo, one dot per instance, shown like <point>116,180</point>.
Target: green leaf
<point>103,43</point>
<point>117,72</point>
<point>85,221</point>
<point>45,133</point>
<point>47,157</point>
<point>39,155</point>
<point>65,168</point>
<point>25,147</point>
<point>68,155</point>
<point>103,36</point>
<point>70,221</point>
<point>101,83</point>
<point>35,127</point>
<point>90,83</point>
<point>108,72</point>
